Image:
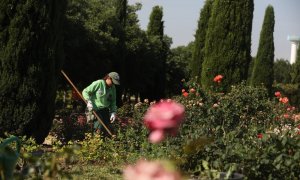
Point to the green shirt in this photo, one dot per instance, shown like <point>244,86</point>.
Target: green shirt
<point>101,95</point>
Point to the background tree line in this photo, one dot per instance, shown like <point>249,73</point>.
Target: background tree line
<point>87,39</point>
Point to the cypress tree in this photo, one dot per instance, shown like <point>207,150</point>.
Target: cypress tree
<point>156,25</point>
<point>295,74</point>
<point>121,12</point>
<point>198,51</point>
<point>159,46</point>
<point>250,69</point>
<point>228,43</point>
<point>264,62</point>
<point>30,60</point>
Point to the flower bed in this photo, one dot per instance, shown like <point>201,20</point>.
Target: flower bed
<point>200,134</point>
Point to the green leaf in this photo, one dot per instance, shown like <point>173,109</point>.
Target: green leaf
<point>284,140</point>
<point>278,158</point>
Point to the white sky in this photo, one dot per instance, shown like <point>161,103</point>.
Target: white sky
<point>181,17</point>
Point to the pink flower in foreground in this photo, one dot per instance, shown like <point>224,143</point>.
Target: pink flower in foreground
<point>163,118</point>
<point>149,170</point>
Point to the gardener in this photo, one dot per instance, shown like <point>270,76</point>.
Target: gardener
<point>101,97</point>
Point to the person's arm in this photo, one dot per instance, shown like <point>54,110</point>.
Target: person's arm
<point>90,90</point>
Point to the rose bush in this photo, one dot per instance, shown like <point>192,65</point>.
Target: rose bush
<point>243,131</point>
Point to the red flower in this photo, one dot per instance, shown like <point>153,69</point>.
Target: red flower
<point>218,78</point>
<point>277,94</point>
<point>284,100</point>
<point>183,90</point>
<point>286,116</point>
<point>259,136</point>
<point>185,94</point>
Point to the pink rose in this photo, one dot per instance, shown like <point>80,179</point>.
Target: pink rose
<point>284,100</point>
<point>163,118</point>
<point>149,170</point>
<point>286,116</point>
<point>277,94</point>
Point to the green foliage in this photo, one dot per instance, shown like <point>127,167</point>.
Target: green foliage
<point>263,72</point>
<point>31,57</point>
<point>101,36</point>
<point>156,25</point>
<point>70,125</point>
<point>198,51</point>
<point>228,43</point>
<point>47,165</point>
<point>91,149</point>
<point>296,69</point>
<point>223,129</point>
<point>222,132</point>
<point>177,68</point>
<point>36,163</point>
<point>282,71</point>
<point>91,40</point>
<point>292,91</point>
<point>159,46</point>
<point>250,69</point>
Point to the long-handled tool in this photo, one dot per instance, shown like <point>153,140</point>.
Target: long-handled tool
<point>95,114</point>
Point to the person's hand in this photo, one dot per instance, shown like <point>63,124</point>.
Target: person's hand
<point>112,117</point>
<point>89,106</point>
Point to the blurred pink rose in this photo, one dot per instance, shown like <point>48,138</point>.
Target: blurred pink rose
<point>277,94</point>
<point>147,170</point>
<point>156,136</point>
<point>286,116</point>
<point>284,100</point>
<point>163,118</point>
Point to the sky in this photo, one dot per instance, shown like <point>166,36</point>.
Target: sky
<point>181,18</point>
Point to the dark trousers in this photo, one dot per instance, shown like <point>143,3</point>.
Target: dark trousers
<point>104,116</point>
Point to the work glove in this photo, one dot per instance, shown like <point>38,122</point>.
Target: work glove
<point>112,117</point>
<point>89,105</point>
<point>89,116</point>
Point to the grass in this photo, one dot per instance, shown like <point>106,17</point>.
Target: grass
<point>96,171</point>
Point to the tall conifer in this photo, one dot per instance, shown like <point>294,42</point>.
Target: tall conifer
<point>198,51</point>
<point>30,60</point>
<point>121,65</point>
<point>156,24</point>
<point>264,62</point>
<point>228,43</point>
<point>155,33</point>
